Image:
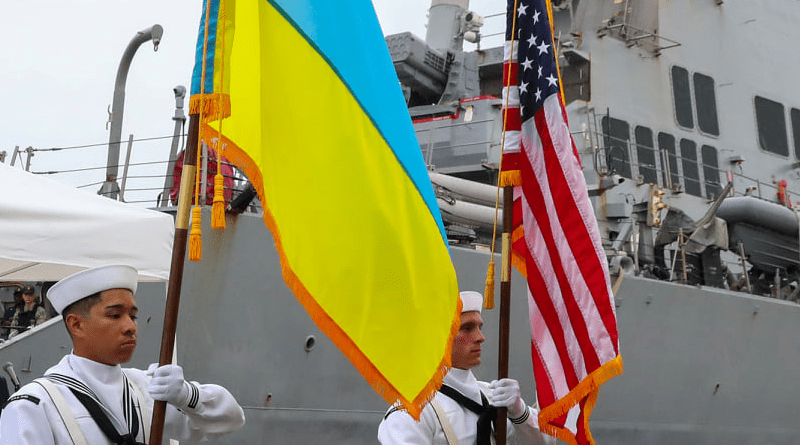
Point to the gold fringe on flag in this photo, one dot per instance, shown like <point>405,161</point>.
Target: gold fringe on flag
<point>516,259</point>
<point>587,388</point>
<point>211,107</point>
<point>510,178</point>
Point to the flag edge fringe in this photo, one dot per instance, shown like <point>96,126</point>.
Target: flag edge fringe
<point>588,387</point>
<point>374,377</point>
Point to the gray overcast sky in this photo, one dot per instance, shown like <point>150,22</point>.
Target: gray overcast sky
<point>59,60</point>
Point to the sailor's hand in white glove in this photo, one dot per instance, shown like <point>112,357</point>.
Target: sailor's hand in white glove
<point>506,393</point>
<point>151,369</point>
<point>168,385</point>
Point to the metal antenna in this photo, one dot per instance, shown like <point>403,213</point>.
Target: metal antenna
<point>110,188</point>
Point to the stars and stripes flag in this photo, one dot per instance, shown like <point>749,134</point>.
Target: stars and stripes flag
<point>556,242</point>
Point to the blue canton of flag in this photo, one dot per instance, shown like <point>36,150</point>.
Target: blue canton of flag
<point>536,56</point>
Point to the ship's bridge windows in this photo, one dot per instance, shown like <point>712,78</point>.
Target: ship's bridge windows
<point>648,160</point>
<point>794,115</point>
<point>706,102</point>
<point>669,169</point>
<point>689,166</point>
<point>691,174</point>
<point>616,136</point>
<point>682,96</point>
<point>646,154</point>
<point>771,126</point>
<point>710,171</point>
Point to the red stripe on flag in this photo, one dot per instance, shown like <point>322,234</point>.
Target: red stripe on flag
<point>511,161</point>
<point>544,393</point>
<point>516,220</point>
<point>512,118</point>
<point>536,202</point>
<point>514,68</point>
<point>581,423</point>
<point>578,236</point>
<point>544,304</point>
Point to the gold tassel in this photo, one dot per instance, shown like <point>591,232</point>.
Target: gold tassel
<point>488,301</point>
<point>218,208</point>
<point>195,242</point>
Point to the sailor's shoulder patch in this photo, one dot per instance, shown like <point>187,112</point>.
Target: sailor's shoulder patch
<point>27,397</point>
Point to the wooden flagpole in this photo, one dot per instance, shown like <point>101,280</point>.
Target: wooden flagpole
<point>505,256</point>
<point>176,268</point>
<point>505,309</point>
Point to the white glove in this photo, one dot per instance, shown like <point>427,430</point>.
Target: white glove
<point>168,385</point>
<point>151,369</point>
<point>505,393</point>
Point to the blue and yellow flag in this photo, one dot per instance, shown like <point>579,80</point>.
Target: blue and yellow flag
<point>314,115</point>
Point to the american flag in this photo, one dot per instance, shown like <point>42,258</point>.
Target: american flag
<point>556,242</point>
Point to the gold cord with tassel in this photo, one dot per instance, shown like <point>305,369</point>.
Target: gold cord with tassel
<point>218,206</point>
<point>195,234</point>
<point>505,178</point>
<point>488,302</point>
<point>195,240</point>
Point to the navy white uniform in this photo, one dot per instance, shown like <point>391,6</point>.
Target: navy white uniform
<point>399,428</point>
<point>31,417</point>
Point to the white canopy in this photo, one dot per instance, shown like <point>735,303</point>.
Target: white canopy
<point>49,230</point>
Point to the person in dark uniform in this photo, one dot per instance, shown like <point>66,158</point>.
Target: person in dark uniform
<point>30,314</point>
<point>8,315</point>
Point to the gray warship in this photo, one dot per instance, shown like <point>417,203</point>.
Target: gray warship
<point>687,122</point>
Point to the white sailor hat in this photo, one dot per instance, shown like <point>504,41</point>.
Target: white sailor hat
<point>89,282</point>
<point>471,301</point>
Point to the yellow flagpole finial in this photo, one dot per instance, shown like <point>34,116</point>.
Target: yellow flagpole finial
<point>218,208</point>
<point>488,300</point>
<point>195,242</point>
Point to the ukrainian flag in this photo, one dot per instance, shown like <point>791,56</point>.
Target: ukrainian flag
<point>314,115</point>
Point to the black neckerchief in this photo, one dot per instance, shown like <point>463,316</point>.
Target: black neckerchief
<point>90,401</point>
<point>487,414</point>
<point>104,422</point>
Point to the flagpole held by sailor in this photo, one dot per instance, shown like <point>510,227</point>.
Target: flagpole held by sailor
<point>463,410</point>
<point>88,398</point>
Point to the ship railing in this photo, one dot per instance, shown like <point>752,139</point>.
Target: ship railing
<point>737,273</point>
<point>429,144</point>
<point>146,172</point>
<point>701,175</point>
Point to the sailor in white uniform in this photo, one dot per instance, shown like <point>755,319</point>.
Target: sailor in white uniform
<point>463,410</point>
<point>89,399</point>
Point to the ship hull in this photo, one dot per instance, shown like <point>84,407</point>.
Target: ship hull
<point>702,365</point>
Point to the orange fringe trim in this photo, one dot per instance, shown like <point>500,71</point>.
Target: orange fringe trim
<point>211,107</point>
<point>516,259</point>
<point>345,344</point>
<point>510,177</point>
<point>588,388</point>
